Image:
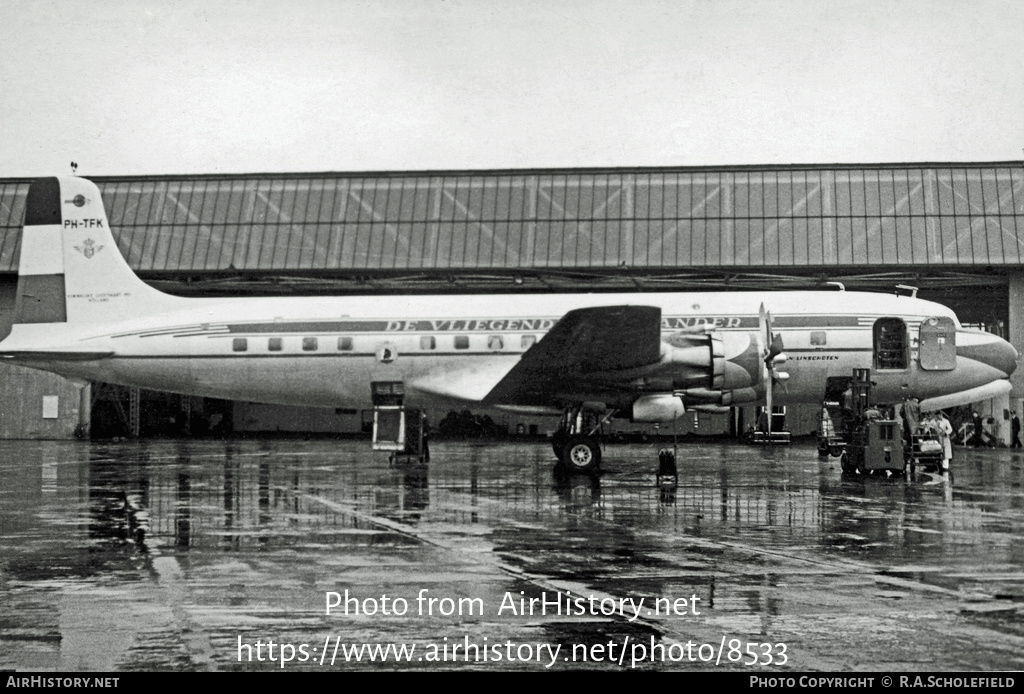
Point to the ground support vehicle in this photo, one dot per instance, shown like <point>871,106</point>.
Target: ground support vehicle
<point>876,442</point>
<point>925,450</point>
<point>831,445</point>
<point>399,430</point>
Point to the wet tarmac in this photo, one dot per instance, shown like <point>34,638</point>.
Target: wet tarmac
<point>196,555</point>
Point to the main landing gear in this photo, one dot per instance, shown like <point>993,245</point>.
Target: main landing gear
<point>577,442</point>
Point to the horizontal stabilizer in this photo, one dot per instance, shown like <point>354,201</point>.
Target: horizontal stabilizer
<point>585,341</point>
<point>46,355</point>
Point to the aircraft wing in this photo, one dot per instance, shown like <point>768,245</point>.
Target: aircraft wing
<point>585,341</point>
<point>967,397</point>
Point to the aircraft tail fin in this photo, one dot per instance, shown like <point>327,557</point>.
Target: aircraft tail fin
<point>70,269</point>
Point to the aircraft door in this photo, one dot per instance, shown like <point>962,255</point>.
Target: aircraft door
<point>937,347</point>
<point>890,344</point>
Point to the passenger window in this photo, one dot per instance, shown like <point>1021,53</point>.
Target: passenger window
<point>275,344</point>
<point>309,344</point>
<point>427,342</point>
<point>495,342</point>
<point>818,338</point>
<point>528,341</point>
<point>345,344</point>
<point>239,344</point>
<point>462,342</point>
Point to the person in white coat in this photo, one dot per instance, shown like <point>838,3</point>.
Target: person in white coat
<point>946,438</point>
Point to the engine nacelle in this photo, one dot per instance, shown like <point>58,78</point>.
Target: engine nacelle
<point>714,369</point>
<point>728,398</point>
<point>661,407</point>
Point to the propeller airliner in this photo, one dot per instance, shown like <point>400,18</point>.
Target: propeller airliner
<point>82,312</point>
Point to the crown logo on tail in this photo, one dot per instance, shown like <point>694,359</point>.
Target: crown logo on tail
<point>88,248</point>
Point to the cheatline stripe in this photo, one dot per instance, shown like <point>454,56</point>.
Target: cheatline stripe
<point>252,354</point>
<point>197,329</point>
<point>397,327</point>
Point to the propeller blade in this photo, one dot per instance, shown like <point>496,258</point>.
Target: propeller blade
<point>770,345</point>
<point>764,325</point>
<point>772,341</point>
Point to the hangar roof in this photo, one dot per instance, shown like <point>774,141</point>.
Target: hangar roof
<point>663,220</point>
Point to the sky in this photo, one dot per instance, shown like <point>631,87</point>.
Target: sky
<point>221,86</point>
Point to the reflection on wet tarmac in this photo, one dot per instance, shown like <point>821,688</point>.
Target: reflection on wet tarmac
<point>142,556</point>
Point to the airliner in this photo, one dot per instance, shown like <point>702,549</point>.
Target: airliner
<point>82,312</point>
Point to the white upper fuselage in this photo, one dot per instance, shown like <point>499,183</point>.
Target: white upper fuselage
<point>81,311</point>
<point>325,351</point>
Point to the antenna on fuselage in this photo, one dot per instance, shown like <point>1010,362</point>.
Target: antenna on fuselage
<point>842,287</point>
<point>912,290</point>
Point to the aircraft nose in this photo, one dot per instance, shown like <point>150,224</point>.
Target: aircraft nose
<point>993,351</point>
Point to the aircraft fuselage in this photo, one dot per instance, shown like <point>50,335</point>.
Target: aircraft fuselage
<point>327,351</point>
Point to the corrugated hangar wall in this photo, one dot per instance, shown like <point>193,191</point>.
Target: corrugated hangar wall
<point>920,215</point>
<point>35,404</point>
<point>39,405</point>
<point>953,229</point>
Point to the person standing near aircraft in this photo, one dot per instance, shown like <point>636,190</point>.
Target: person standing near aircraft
<point>911,416</point>
<point>982,437</point>
<point>945,430</point>
<point>975,440</point>
<point>826,426</point>
<point>1014,430</point>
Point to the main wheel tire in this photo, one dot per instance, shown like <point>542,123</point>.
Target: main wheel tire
<point>823,449</point>
<point>581,454</point>
<point>835,451</point>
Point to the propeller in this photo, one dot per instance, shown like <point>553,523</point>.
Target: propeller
<point>770,345</point>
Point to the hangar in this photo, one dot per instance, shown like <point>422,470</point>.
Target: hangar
<point>953,231</point>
